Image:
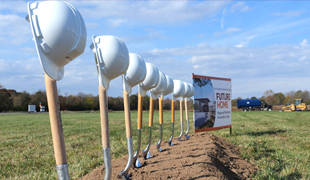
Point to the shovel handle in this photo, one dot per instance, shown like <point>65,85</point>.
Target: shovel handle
<point>127,114</point>
<point>151,112</point>
<point>161,119</point>
<point>140,105</point>
<point>181,110</point>
<point>172,111</point>
<point>103,104</point>
<point>186,110</point>
<point>55,120</point>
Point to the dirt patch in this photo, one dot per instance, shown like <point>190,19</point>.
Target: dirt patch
<point>203,156</point>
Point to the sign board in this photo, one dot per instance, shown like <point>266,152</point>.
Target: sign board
<point>42,108</point>
<point>212,103</point>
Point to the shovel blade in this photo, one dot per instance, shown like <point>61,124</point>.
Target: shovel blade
<point>138,164</point>
<point>148,155</point>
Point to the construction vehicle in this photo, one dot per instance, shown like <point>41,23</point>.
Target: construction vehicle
<point>298,106</point>
<point>266,107</point>
<point>253,104</point>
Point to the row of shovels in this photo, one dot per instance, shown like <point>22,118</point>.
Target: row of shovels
<point>59,33</point>
<point>148,78</point>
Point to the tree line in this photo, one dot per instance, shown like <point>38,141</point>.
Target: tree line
<point>10,100</point>
<point>280,98</point>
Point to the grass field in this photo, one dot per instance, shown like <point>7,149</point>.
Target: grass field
<point>279,143</point>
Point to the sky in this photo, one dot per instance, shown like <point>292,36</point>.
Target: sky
<point>260,45</point>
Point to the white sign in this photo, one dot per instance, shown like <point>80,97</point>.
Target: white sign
<point>212,103</point>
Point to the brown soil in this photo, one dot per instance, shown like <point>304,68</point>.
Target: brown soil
<point>203,156</point>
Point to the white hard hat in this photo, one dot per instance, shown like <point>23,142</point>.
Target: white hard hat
<point>59,34</point>
<point>192,90</point>
<point>135,73</point>
<point>187,90</point>
<point>161,86</point>
<point>151,80</point>
<point>112,58</point>
<point>170,86</point>
<point>178,89</point>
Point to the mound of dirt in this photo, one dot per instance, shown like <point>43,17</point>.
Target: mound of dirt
<point>203,156</point>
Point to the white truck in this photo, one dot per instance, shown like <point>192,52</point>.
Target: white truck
<point>32,109</point>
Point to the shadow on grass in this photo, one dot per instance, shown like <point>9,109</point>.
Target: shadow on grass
<point>261,133</point>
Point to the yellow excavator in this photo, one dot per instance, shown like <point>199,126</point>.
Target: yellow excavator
<point>298,106</point>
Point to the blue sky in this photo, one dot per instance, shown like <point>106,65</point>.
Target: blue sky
<point>260,45</point>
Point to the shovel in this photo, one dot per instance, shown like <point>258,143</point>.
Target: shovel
<point>155,92</point>
<point>187,93</point>
<point>169,90</point>
<point>161,121</point>
<point>178,91</point>
<point>151,80</point>
<point>110,62</point>
<point>181,119</point>
<point>57,44</point>
<point>136,160</point>
<point>187,119</point>
<point>192,93</point>
<point>172,123</point>
<point>145,153</point>
<point>134,75</point>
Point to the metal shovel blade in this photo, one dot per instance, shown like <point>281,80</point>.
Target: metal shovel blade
<point>124,174</point>
<point>186,134</point>
<point>172,133</point>
<point>159,148</point>
<point>145,153</point>
<point>182,128</point>
<point>148,155</point>
<point>161,136</point>
<point>138,164</point>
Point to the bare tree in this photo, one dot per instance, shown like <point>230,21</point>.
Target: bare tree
<point>305,95</point>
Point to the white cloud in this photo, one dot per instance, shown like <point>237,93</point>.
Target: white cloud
<point>303,58</point>
<point>151,35</point>
<point>115,22</point>
<point>15,6</point>
<point>150,11</point>
<point>246,42</point>
<point>253,70</point>
<point>240,6</point>
<point>289,13</point>
<point>304,43</point>
<point>227,31</point>
<point>246,9</point>
<point>236,6</point>
<point>14,29</point>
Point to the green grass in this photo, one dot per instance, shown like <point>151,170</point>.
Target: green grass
<point>26,150</point>
<point>279,143</point>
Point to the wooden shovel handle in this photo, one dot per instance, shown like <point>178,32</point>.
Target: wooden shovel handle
<point>103,104</point>
<point>172,111</point>
<point>127,114</point>
<point>151,112</point>
<point>181,111</point>
<point>55,120</point>
<point>161,118</point>
<point>186,110</point>
<point>140,105</point>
